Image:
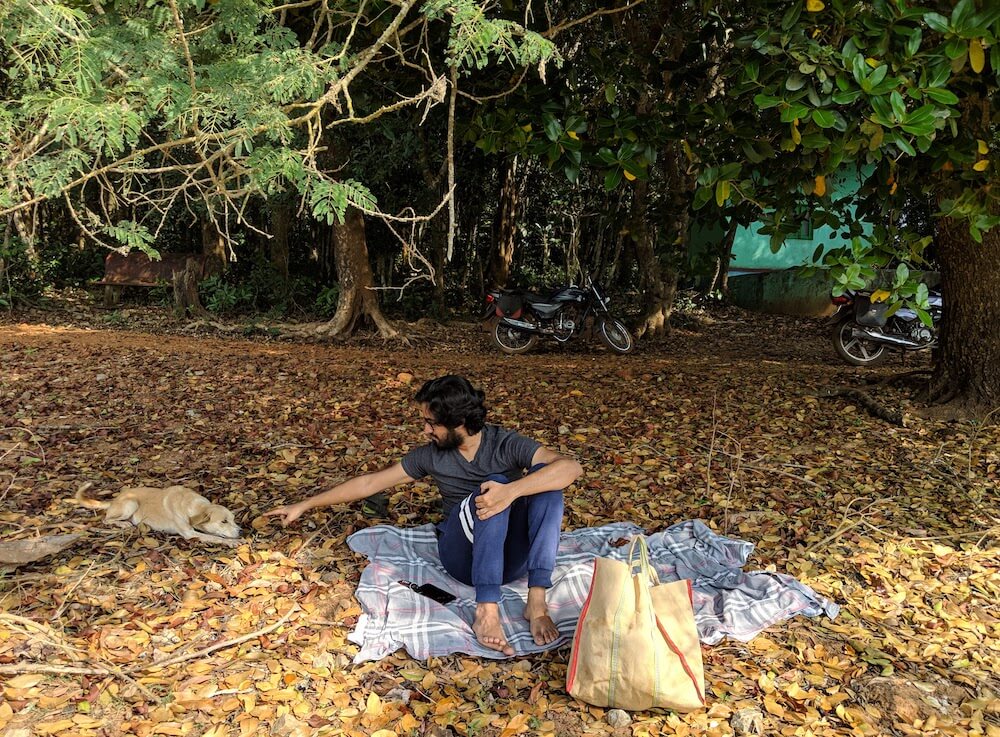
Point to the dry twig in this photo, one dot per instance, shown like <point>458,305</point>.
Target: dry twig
<point>173,660</point>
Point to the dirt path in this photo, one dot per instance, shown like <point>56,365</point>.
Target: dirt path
<point>898,524</point>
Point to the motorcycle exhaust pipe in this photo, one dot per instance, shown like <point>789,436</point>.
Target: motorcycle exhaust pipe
<point>888,339</point>
<point>526,327</point>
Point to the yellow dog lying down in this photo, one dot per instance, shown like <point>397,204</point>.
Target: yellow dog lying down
<point>176,510</point>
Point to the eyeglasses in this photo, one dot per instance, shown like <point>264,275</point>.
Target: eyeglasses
<point>430,421</point>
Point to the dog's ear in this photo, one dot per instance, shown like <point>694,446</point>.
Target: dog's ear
<point>200,518</point>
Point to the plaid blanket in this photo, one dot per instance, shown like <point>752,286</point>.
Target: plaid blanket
<point>727,601</point>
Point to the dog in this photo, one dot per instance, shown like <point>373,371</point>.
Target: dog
<point>176,509</point>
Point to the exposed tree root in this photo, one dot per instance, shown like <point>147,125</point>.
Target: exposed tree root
<point>956,408</point>
<point>303,331</point>
<point>870,404</point>
<point>943,401</point>
<point>898,379</point>
<point>655,324</point>
<point>223,328</point>
<point>330,331</point>
<point>948,401</point>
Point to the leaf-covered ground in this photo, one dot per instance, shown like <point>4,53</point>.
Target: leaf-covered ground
<point>132,632</point>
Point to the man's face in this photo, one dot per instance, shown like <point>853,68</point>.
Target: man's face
<point>442,437</point>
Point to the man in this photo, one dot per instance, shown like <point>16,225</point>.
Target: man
<point>488,504</point>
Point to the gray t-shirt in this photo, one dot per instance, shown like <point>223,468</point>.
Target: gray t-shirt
<point>500,452</point>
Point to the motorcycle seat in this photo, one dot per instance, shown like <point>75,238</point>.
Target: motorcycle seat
<point>533,298</point>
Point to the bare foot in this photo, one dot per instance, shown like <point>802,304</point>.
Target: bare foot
<point>488,630</point>
<point>543,629</point>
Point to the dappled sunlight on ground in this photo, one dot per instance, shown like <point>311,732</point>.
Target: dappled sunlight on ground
<point>895,523</point>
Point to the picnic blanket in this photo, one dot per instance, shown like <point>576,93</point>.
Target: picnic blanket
<point>728,602</point>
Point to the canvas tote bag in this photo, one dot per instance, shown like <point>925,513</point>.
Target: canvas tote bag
<point>636,646</point>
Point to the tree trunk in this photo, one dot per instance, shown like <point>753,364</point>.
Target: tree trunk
<point>354,273</point>
<point>724,257</point>
<point>4,279</point>
<point>186,300</point>
<point>658,285</point>
<point>654,35</point>
<point>505,224</point>
<point>439,250</point>
<point>213,245</point>
<point>281,225</point>
<point>967,363</point>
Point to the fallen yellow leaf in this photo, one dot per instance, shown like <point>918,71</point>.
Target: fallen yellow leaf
<point>515,725</point>
<point>773,707</point>
<point>172,729</point>
<point>53,727</point>
<point>85,721</point>
<point>26,681</point>
<point>408,723</point>
<point>248,726</point>
<point>814,6</point>
<point>796,692</point>
<point>981,165</point>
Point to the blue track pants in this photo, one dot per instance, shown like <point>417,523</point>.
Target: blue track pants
<point>524,538</point>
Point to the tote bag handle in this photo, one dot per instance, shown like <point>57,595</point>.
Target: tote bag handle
<point>638,561</point>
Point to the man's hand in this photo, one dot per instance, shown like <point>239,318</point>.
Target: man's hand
<point>493,499</point>
<point>289,513</point>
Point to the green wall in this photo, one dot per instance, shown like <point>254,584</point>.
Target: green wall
<point>752,250</point>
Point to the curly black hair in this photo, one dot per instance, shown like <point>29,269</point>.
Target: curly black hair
<point>454,401</point>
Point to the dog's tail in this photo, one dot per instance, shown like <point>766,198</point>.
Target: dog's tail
<point>80,499</point>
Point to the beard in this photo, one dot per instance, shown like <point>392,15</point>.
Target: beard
<point>450,442</point>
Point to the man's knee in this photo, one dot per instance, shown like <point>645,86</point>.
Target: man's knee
<point>548,500</point>
<point>497,477</point>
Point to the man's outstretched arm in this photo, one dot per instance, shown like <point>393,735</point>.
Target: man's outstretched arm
<point>360,487</point>
<point>558,473</point>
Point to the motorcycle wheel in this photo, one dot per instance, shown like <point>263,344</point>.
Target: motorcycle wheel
<point>616,336</point>
<point>856,351</point>
<point>511,340</point>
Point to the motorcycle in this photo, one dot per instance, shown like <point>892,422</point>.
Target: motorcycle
<point>520,317</point>
<point>864,332</point>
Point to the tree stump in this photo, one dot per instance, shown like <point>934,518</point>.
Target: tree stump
<point>186,300</point>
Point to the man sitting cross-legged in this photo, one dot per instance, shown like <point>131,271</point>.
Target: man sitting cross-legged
<point>490,505</point>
